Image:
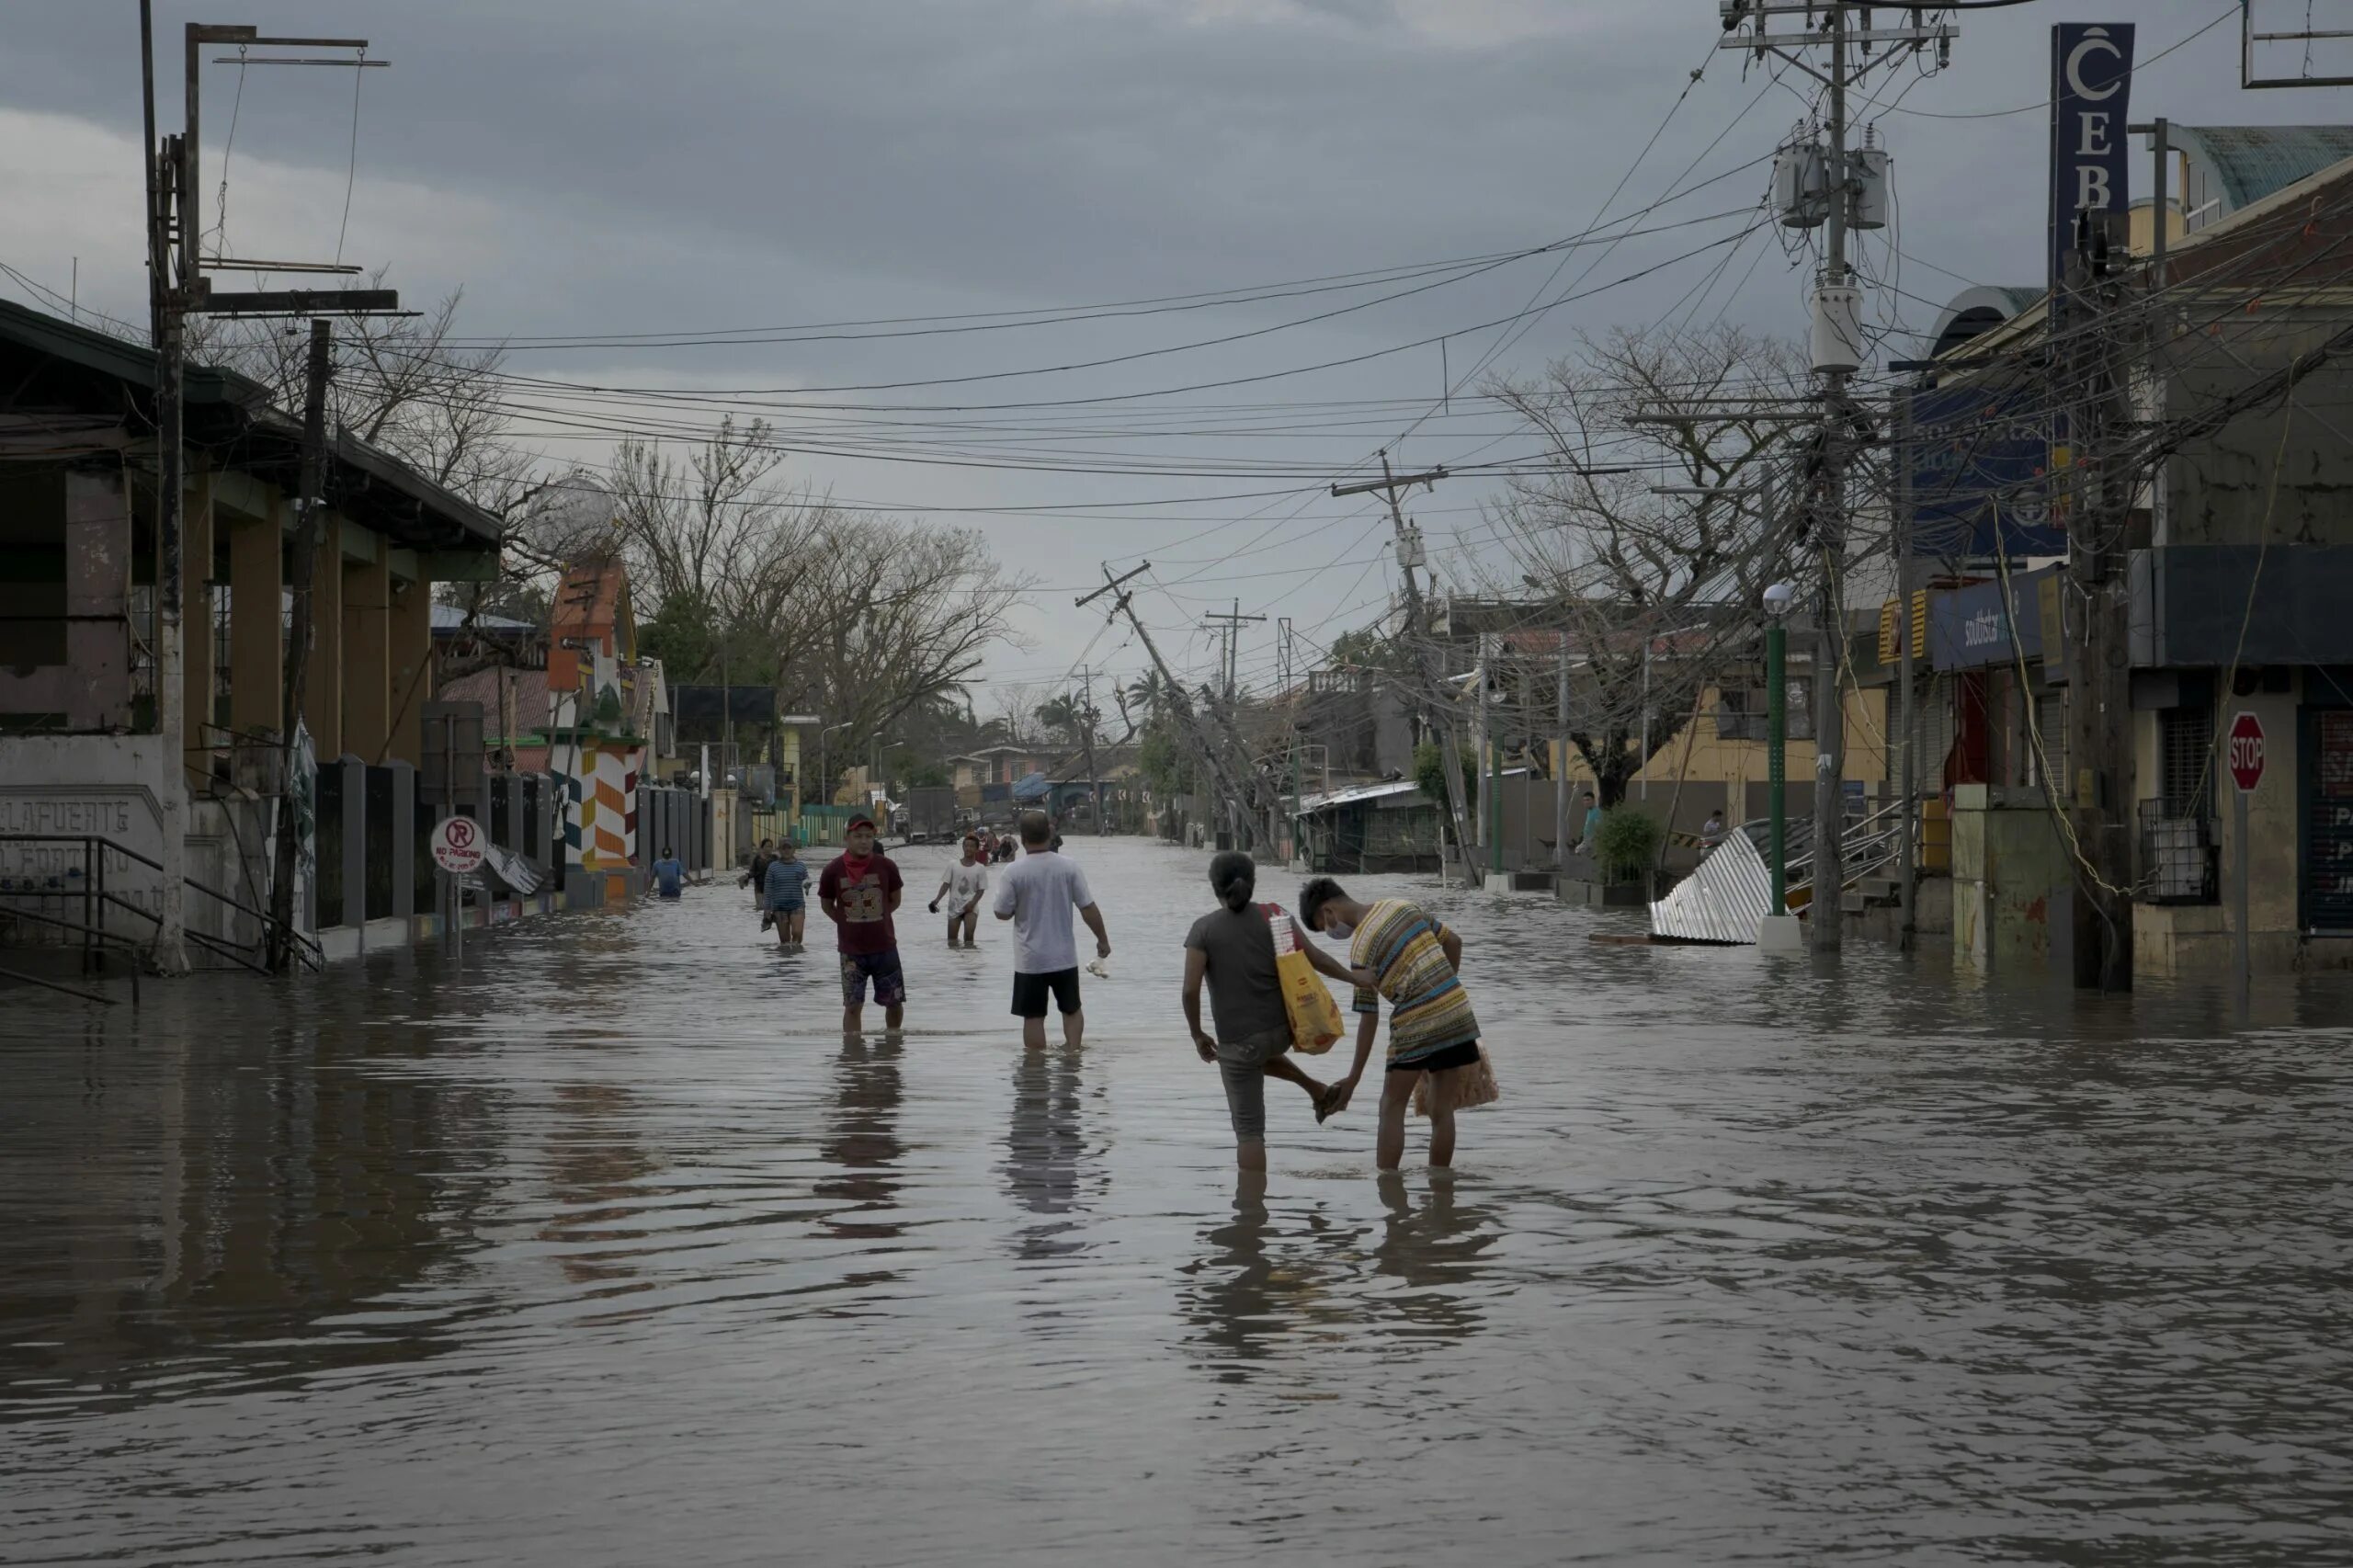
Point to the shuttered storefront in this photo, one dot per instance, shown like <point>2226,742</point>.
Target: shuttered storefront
<point>2325,786</point>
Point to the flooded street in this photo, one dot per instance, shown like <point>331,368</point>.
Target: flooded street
<point>608,1250</point>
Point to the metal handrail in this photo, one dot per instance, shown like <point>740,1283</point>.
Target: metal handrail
<point>1873,842</point>
<point>95,896</point>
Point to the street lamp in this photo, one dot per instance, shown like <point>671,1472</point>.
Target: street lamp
<point>1778,932</point>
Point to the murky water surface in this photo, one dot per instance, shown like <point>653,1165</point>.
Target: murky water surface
<point>608,1250</point>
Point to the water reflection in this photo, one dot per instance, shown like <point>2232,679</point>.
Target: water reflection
<point>1045,1151</point>
<point>861,1140</point>
<point>1439,1251</point>
<point>238,1190</point>
<point>596,1166</point>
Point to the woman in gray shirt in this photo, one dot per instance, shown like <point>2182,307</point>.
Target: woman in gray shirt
<point>1233,947</point>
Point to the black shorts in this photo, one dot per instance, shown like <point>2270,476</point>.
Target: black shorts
<point>1029,992</point>
<point>1453,1056</point>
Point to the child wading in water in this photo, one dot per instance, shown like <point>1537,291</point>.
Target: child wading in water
<point>1435,1058</point>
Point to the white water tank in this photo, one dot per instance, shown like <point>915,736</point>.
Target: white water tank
<point>1801,185</point>
<point>1837,327</point>
<point>1870,167</point>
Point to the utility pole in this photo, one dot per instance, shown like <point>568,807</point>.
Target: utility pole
<point>178,287</point>
<point>1907,723</point>
<point>308,522</point>
<point>1485,744</point>
<point>1087,716</point>
<point>1287,673</point>
<point>1561,767</point>
<point>1840,188</point>
<point>1410,555</point>
<point>2099,741</point>
<point>1230,623</point>
<point>1830,537</point>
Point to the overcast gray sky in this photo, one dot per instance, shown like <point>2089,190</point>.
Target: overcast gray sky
<point>624,166</point>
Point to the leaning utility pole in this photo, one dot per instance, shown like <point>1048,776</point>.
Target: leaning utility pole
<point>1839,188</point>
<point>179,288</point>
<point>1122,603</point>
<point>1410,555</point>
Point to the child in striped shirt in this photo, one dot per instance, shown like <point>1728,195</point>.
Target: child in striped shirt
<point>1435,1059</point>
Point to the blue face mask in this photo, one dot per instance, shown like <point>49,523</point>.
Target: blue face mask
<point>1338,930</point>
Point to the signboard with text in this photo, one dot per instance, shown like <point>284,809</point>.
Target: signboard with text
<point>457,845</point>
<point>2091,92</point>
<point>1977,466</point>
<point>2245,755</point>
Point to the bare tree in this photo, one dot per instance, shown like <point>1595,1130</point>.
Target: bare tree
<point>1654,593</point>
<point>896,614</point>
<point>718,554</point>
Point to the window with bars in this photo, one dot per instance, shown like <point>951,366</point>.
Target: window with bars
<point>2186,761</point>
<point>2179,854</point>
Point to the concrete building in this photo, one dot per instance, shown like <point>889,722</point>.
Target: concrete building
<point>2241,566</point>
<point>86,781</point>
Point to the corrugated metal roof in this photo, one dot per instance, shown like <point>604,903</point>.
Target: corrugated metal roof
<point>1356,792</point>
<point>450,617</point>
<point>2255,160</point>
<point>1723,901</point>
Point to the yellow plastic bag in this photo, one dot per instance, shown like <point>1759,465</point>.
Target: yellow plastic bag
<point>1314,1016</point>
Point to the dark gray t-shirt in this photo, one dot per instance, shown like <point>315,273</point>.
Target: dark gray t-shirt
<point>1246,997</point>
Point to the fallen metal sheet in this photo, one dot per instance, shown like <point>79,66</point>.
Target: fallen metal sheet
<point>517,874</point>
<point>1723,901</point>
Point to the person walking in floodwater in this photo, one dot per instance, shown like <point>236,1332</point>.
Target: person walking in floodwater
<point>669,874</point>
<point>1037,893</point>
<point>1435,1059</point>
<point>962,885</point>
<point>1233,947</point>
<point>755,877</point>
<point>787,888</point>
<point>861,890</point>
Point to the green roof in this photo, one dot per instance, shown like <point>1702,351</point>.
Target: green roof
<point>2255,160</point>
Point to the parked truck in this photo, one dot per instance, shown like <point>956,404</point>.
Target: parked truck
<point>931,815</point>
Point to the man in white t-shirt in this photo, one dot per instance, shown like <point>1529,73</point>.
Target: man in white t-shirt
<point>961,888</point>
<point>1037,893</point>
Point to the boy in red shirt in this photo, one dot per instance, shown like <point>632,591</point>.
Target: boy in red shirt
<point>860,892</point>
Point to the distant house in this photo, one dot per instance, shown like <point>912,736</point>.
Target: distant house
<point>999,764</point>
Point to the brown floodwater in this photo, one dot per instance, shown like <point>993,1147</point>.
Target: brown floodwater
<point>607,1249</point>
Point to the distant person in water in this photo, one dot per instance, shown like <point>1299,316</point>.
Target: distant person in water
<point>756,875</point>
<point>1232,948</point>
<point>787,887</point>
<point>961,886</point>
<point>861,890</point>
<point>1436,1062</point>
<point>669,875</point>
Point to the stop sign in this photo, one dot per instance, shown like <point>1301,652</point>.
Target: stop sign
<point>2245,753</point>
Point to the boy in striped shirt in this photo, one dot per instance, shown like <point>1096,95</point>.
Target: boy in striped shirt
<point>1435,1059</point>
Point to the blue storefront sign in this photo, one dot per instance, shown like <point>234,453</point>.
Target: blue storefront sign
<point>1978,462</point>
<point>2091,92</point>
<point>1984,625</point>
